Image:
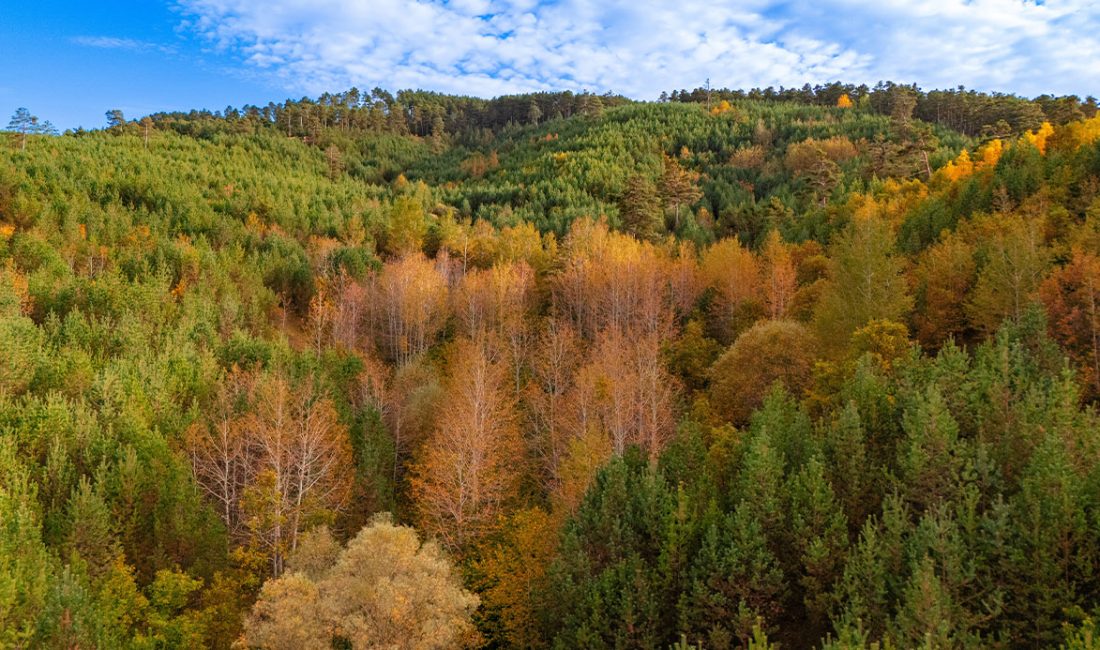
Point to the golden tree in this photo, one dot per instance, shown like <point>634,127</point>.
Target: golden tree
<point>1016,260</point>
<point>306,452</point>
<point>495,302</point>
<point>779,277</point>
<point>466,471</point>
<point>944,277</point>
<point>385,590</point>
<point>613,281</point>
<point>733,272</point>
<point>625,392</point>
<point>407,308</point>
<point>554,361</point>
<point>390,590</point>
<point>515,574</point>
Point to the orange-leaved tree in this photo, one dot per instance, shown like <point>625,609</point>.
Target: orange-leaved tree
<point>467,469</point>
<point>1071,295</point>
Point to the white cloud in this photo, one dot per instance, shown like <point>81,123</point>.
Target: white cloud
<point>641,47</point>
<point>114,43</point>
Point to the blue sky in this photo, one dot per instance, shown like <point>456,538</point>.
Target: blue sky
<point>69,62</point>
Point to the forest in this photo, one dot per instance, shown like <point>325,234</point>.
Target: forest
<point>794,368</point>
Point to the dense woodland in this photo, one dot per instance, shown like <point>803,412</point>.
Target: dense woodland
<point>808,368</point>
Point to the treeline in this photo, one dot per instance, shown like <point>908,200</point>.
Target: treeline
<point>853,405</point>
<point>415,112</point>
<point>425,113</point>
<point>966,111</point>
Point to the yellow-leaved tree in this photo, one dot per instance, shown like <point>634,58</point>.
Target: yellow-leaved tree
<point>387,589</point>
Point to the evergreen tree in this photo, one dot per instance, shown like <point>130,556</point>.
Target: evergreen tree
<point>640,209</point>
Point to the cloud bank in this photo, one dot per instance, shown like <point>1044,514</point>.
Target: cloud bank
<point>641,47</point>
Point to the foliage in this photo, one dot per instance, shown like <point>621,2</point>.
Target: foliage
<point>547,329</point>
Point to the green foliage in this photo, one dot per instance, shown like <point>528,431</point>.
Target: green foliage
<point>821,482</point>
<point>607,573</point>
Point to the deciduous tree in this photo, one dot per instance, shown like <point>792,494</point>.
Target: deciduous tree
<point>865,283</point>
<point>385,590</point>
<point>769,352</point>
<point>408,307</point>
<point>467,470</point>
<point>1071,295</point>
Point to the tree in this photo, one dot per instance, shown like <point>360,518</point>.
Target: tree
<point>466,471</point>
<point>851,470</point>
<point>929,459</point>
<point>944,278</point>
<point>735,581</point>
<point>611,281</point>
<point>385,590</point>
<point>494,301</point>
<point>779,277</point>
<point>925,616</point>
<point>818,162</point>
<point>1052,548</point>
<point>515,575</point>
<point>865,283</point>
<point>819,531</point>
<point>146,127</point>
<point>409,405</point>
<point>407,308</point>
<point>407,226</point>
<point>735,275</point>
<point>1071,295</point>
<point>692,354</point>
<point>306,455</point>
<point>26,569</point>
<point>275,470</point>
<point>553,365</point>
<point>89,538</point>
<point>333,156</point>
<point>640,208</point>
<point>287,615</point>
<point>1016,260</point>
<point>606,586</point>
<point>23,124</point>
<point>769,352</point>
<point>844,101</point>
<point>219,451</point>
<point>677,188</point>
<point>389,589</point>
<point>625,393</point>
<point>115,118</point>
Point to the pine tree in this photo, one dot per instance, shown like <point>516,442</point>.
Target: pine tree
<point>640,209</point>
<point>930,458</point>
<point>23,124</point>
<point>735,581</point>
<point>605,588</point>
<point>677,188</point>
<point>819,536</point>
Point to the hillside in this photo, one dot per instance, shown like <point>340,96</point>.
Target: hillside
<point>815,368</point>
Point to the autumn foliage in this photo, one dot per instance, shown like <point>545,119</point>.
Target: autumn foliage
<point>818,366</point>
